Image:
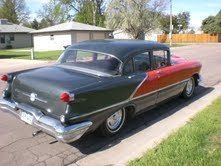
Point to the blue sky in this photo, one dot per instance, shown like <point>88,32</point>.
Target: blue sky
<point>199,9</point>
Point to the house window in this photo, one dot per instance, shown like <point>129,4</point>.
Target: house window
<point>51,37</point>
<point>2,39</point>
<point>12,37</point>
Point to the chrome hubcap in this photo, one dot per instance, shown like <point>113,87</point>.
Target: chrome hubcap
<point>189,87</point>
<point>115,120</point>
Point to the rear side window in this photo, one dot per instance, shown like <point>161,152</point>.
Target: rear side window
<point>160,58</point>
<point>129,68</point>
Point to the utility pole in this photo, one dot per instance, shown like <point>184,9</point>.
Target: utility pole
<point>171,23</point>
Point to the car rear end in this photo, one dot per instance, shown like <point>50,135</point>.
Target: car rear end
<point>43,108</point>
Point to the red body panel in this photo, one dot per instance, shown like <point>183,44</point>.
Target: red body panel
<point>180,70</point>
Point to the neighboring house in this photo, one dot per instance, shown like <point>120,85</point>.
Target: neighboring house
<point>120,34</point>
<point>14,36</point>
<point>69,33</point>
<point>152,35</point>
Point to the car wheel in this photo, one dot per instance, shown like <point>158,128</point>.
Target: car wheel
<point>189,88</point>
<point>114,123</point>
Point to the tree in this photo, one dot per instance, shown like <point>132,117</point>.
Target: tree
<point>14,10</point>
<point>164,22</point>
<point>208,25</point>
<point>212,24</point>
<point>183,20</point>
<point>74,4</point>
<point>134,17</point>
<point>43,23</point>
<point>87,11</point>
<point>91,14</point>
<point>180,22</point>
<point>35,24</point>
<point>54,12</point>
<point>191,31</point>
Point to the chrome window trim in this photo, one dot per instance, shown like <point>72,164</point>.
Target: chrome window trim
<point>85,50</point>
<point>127,100</point>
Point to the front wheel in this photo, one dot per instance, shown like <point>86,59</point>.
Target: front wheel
<point>189,88</point>
<point>114,123</point>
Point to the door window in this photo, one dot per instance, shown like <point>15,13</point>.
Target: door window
<point>142,62</point>
<point>160,58</point>
<point>139,63</point>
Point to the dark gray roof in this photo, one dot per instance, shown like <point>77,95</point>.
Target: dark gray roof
<point>119,48</point>
<point>14,28</point>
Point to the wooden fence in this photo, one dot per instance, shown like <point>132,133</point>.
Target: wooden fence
<point>190,38</point>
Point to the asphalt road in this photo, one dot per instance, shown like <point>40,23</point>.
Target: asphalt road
<point>18,147</point>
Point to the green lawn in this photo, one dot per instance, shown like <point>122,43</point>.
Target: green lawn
<point>197,143</point>
<point>24,54</point>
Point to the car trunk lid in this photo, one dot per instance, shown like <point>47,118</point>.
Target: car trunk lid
<point>41,88</point>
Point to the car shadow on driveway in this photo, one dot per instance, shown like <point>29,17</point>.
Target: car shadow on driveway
<point>92,142</point>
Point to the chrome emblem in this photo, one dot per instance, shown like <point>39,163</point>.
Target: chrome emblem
<point>33,97</point>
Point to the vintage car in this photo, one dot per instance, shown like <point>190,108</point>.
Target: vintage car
<point>96,85</point>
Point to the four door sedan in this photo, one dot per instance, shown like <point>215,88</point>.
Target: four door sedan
<point>96,85</point>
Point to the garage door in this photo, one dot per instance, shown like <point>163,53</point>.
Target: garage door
<point>82,36</point>
<point>98,35</point>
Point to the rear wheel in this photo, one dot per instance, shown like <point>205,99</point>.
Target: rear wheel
<point>114,123</point>
<point>189,88</point>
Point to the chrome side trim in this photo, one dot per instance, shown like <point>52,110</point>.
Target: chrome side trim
<point>160,89</point>
<point>126,101</point>
<point>100,110</point>
<point>131,96</point>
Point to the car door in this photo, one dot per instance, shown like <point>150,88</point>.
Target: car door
<point>169,77</point>
<point>145,93</point>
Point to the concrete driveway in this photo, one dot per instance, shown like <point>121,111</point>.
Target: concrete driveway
<point>18,147</point>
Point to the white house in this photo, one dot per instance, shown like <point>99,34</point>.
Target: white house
<point>69,33</point>
<point>15,36</point>
<point>152,35</point>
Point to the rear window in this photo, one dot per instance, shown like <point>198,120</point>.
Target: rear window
<point>91,60</point>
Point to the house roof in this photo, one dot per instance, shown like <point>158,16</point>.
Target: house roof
<point>119,47</point>
<point>71,26</point>
<point>14,28</point>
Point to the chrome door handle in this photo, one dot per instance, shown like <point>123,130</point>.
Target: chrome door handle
<point>158,73</point>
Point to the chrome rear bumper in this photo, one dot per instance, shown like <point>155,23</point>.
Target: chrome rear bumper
<point>45,123</point>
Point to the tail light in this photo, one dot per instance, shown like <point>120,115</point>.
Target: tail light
<point>5,78</point>
<point>65,97</point>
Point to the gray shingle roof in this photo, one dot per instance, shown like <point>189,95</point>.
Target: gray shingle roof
<point>68,26</point>
<point>14,28</point>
